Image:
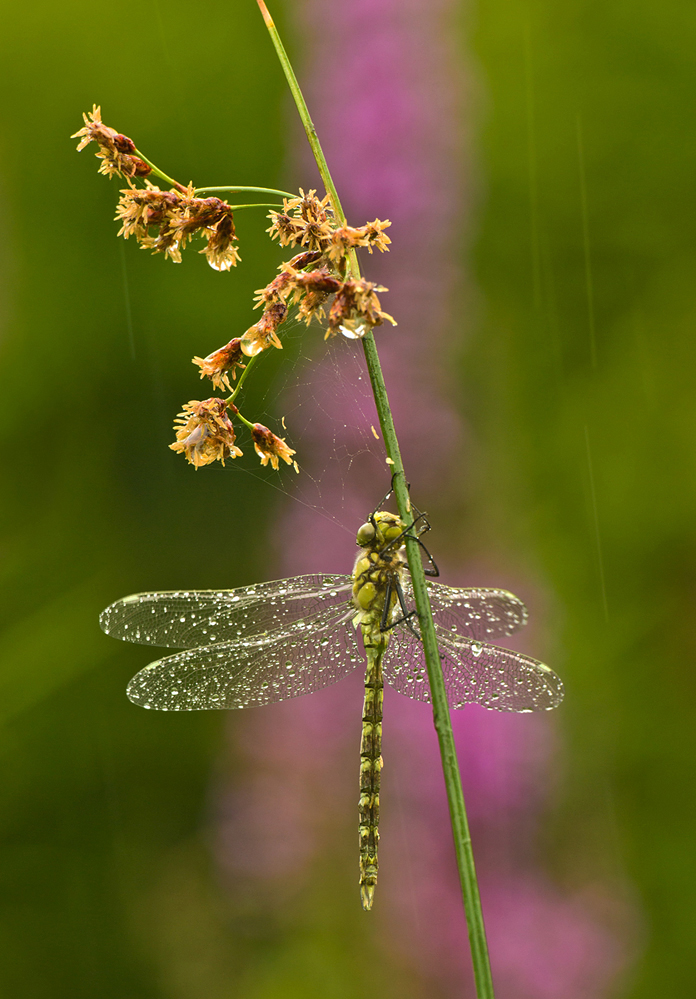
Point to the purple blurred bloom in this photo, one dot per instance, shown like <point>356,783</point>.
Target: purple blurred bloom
<point>391,124</point>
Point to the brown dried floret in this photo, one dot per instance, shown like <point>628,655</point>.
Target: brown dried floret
<point>222,363</point>
<point>271,448</point>
<point>276,290</point>
<point>262,334</point>
<point>356,308</point>
<point>178,216</point>
<point>116,151</point>
<point>304,259</point>
<point>206,433</point>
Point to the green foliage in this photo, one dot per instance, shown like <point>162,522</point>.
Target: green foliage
<point>587,233</point>
<point>96,350</point>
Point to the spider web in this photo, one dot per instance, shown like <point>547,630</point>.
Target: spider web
<point>321,402</point>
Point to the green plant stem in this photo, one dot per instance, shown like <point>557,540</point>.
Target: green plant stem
<point>441,716</point>
<point>261,204</point>
<point>247,367</point>
<point>239,188</point>
<point>298,97</point>
<point>235,188</point>
<point>244,420</point>
<point>160,173</point>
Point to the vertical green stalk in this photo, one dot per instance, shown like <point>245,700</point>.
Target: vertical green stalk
<point>441,716</point>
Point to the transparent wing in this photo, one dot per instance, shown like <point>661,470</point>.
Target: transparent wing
<point>315,653</point>
<point>186,619</point>
<point>475,612</point>
<point>474,672</point>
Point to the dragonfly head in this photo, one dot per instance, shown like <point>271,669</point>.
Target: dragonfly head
<point>381,529</point>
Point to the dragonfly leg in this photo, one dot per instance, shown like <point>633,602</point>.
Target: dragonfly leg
<point>433,569</point>
<point>384,499</point>
<point>386,608</point>
<point>406,614</point>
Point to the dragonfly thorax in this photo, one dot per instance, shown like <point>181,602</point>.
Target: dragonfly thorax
<point>379,564</point>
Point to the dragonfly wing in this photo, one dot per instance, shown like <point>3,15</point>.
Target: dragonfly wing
<point>474,672</point>
<point>187,619</point>
<point>250,672</point>
<point>476,612</point>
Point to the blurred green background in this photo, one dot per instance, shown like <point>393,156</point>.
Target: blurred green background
<point>578,383</point>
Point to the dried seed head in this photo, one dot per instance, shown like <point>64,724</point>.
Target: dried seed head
<point>222,363</point>
<point>205,433</point>
<point>309,290</point>
<point>271,448</point>
<point>178,216</point>
<point>116,151</point>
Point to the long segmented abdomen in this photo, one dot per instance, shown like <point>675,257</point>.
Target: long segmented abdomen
<point>370,773</point>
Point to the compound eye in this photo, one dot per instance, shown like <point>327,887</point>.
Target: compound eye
<point>366,535</point>
<point>392,533</point>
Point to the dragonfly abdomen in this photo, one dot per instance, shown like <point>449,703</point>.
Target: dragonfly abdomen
<point>370,774</point>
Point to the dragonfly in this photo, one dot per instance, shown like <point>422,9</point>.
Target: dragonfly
<point>269,642</point>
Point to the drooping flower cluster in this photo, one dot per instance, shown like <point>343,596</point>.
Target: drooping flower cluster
<point>318,282</point>
<point>176,216</point>
<point>315,281</point>
<point>161,221</point>
<point>205,432</point>
<point>116,151</point>
<point>355,307</point>
<point>307,221</point>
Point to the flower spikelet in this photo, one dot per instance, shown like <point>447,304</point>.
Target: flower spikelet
<point>305,221</point>
<point>220,251</point>
<point>116,151</point>
<point>263,334</point>
<point>205,432</point>
<point>311,290</point>
<point>222,363</point>
<point>178,216</point>
<point>346,238</point>
<point>356,308</point>
<point>141,208</point>
<point>271,448</point>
